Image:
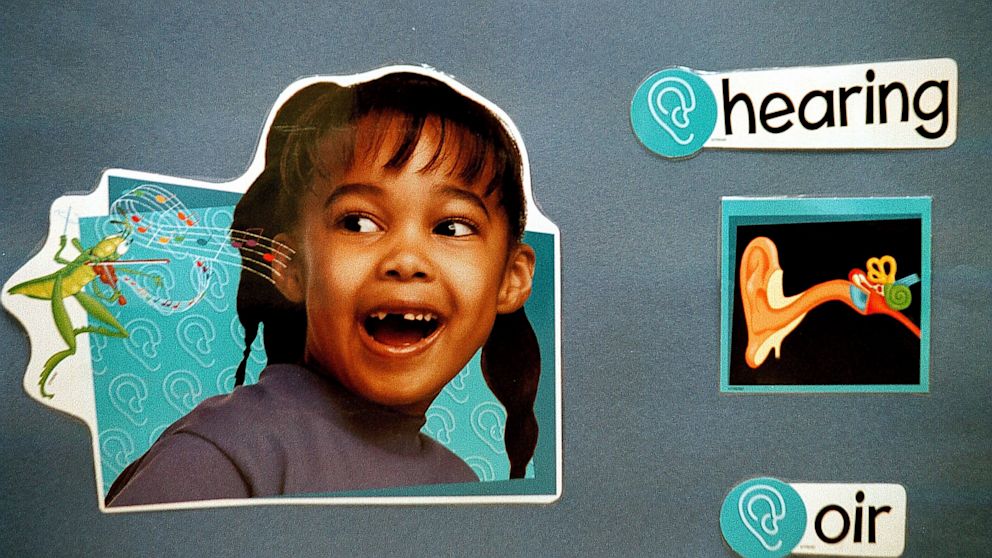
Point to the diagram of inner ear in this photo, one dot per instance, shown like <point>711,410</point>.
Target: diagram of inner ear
<point>771,316</point>
<point>827,303</point>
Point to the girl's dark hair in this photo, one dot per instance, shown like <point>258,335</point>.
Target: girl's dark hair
<point>313,133</point>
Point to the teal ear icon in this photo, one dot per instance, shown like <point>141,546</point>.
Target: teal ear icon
<point>673,113</point>
<point>763,518</point>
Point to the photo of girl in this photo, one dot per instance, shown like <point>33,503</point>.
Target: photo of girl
<point>398,206</point>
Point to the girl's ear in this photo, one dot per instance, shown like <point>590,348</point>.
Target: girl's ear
<point>287,270</point>
<point>517,280</point>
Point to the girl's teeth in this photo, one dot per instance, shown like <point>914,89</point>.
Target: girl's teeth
<point>410,316</point>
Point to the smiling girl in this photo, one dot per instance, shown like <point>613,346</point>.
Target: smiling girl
<point>402,202</point>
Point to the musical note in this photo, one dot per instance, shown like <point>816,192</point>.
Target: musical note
<point>247,238</point>
<point>163,223</point>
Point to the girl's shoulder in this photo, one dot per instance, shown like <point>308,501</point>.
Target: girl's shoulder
<point>281,392</point>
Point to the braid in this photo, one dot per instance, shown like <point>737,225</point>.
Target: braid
<point>258,301</point>
<point>270,205</point>
<point>511,365</point>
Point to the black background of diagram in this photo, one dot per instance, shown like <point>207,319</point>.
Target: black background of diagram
<point>834,345</point>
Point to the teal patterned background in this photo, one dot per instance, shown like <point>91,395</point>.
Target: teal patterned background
<point>170,363</point>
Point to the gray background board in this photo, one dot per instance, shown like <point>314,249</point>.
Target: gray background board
<point>651,447</point>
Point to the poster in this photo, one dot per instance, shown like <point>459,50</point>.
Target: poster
<point>785,283</point>
<point>361,318</point>
<point>651,446</point>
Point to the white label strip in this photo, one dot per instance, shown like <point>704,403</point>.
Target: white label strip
<point>883,105</point>
<point>853,519</point>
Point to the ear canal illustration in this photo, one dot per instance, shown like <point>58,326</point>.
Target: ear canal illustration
<point>771,316</point>
<point>670,101</point>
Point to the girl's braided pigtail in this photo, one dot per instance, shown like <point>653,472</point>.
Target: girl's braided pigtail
<point>511,365</point>
<point>259,302</point>
<point>269,206</point>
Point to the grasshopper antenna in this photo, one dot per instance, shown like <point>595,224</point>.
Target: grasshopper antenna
<point>65,228</point>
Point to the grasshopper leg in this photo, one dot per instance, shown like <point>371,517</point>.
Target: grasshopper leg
<point>64,326</point>
<point>100,312</point>
<point>58,255</point>
<point>68,333</point>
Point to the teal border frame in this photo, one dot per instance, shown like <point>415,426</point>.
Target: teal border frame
<point>736,211</point>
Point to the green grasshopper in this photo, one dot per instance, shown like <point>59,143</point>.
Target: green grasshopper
<point>71,281</point>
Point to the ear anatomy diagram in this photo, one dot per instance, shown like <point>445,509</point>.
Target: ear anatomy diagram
<point>771,315</point>
<point>156,219</point>
<point>825,295</point>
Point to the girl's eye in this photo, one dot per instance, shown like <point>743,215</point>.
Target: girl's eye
<point>359,224</point>
<point>452,227</point>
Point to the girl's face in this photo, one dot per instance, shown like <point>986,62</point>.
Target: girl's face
<point>402,271</point>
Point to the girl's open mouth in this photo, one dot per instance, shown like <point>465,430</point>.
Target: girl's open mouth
<point>401,329</point>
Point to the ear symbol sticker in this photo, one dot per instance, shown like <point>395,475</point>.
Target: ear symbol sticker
<point>761,508</point>
<point>673,113</point>
<point>667,89</point>
<point>763,518</point>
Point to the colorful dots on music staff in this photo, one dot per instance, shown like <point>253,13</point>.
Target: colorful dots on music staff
<point>248,243</point>
<point>251,241</point>
<point>186,219</point>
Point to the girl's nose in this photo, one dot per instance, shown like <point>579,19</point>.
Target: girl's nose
<point>407,260</point>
